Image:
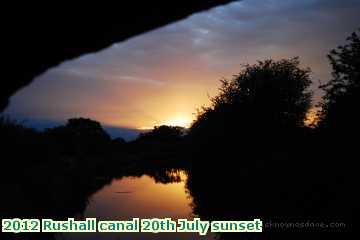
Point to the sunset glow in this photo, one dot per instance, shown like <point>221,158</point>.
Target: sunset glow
<point>312,117</point>
<point>181,122</point>
<point>178,122</point>
<point>162,77</point>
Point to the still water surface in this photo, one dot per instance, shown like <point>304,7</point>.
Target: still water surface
<point>140,197</point>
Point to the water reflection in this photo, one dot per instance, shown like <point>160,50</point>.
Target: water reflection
<point>143,197</point>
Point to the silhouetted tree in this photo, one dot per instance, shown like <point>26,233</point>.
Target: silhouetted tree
<point>340,104</point>
<point>263,99</point>
<point>159,143</point>
<point>117,145</point>
<point>260,162</point>
<point>22,146</point>
<point>163,134</point>
<point>80,136</point>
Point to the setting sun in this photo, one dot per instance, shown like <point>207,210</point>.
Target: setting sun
<point>180,122</point>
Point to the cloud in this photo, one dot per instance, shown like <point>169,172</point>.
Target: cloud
<point>134,79</point>
<point>71,73</point>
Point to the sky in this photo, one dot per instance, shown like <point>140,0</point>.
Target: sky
<point>163,76</point>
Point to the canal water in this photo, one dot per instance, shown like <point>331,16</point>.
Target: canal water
<point>140,197</point>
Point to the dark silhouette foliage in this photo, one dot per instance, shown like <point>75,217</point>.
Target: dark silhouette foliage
<point>162,142</point>
<point>79,136</point>
<point>163,133</point>
<point>17,143</point>
<point>340,105</point>
<point>263,100</point>
<point>254,157</point>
